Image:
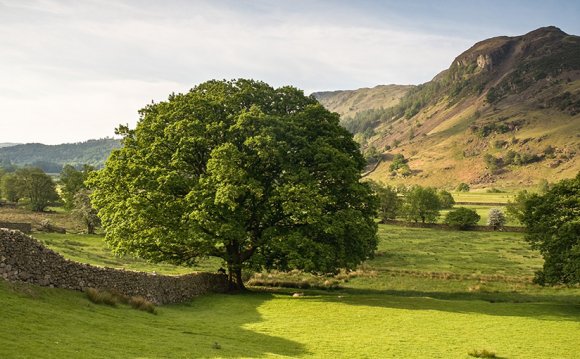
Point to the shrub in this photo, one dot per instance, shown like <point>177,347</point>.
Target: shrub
<point>484,353</point>
<point>496,218</point>
<point>143,304</point>
<point>102,297</point>
<point>462,218</point>
<point>463,187</point>
<point>446,199</point>
<point>399,161</point>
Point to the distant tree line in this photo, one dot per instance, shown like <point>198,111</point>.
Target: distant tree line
<point>52,158</point>
<point>33,188</point>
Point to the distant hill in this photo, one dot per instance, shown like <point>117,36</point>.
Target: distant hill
<point>349,102</point>
<point>8,144</point>
<point>505,113</point>
<point>51,158</point>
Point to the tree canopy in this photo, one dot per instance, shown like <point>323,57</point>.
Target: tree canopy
<point>421,203</point>
<point>36,186</point>
<point>258,176</point>
<point>552,223</point>
<point>72,181</point>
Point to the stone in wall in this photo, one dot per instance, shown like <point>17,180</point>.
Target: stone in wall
<point>24,259</point>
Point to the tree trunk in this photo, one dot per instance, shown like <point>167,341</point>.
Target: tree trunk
<point>235,282</point>
<point>234,260</point>
<point>90,229</point>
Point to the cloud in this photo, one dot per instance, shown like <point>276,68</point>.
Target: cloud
<point>74,70</point>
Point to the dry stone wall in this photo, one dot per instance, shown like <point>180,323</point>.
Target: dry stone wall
<point>24,259</point>
<point>22,227</point>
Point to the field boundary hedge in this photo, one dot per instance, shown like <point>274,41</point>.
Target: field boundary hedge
<point>444,226</point>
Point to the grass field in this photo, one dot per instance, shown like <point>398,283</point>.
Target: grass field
<point>93,250</point>
<point>427,294</point>
<point>482,197</point>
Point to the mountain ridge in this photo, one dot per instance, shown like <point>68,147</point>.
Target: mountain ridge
<point>503,95</point>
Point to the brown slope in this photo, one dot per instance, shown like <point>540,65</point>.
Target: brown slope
<point>502,96</point>
<point>348,102</point>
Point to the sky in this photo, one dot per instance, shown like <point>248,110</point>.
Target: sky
<point>73,70</point>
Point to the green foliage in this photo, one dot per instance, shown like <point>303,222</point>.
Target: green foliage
<point>421,204</point>
<point>72,181</point>
<point>399,163</point>
<point>445,199</point>
<point>492,163</point>
<point>462,218</point>
<point>515,208</point>
<point>496,218</point>
<point>53,157</point>
<point>372,154</point>
<point>84,211</point>
<point>552,223</point>
<point>256,176</point>
<point>462,187</point>
<point>36,186</point>
<point>9,187</point>
<point>389,201</point>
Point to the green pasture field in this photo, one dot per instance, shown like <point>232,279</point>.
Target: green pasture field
<point>427,294</point>
<point>92,249</point>
<point>482,197</point>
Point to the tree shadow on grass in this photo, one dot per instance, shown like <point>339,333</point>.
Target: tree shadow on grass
<point>488,303</point>
<point>60,323</point>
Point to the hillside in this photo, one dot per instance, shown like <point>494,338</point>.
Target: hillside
<point>506,113</point>
<point>349,102</point>
<point>51,158</point>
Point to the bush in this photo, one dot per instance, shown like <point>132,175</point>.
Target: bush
<point>102,297</point>
<point>496,218</point>
<point>399,161</point>
<point>462,218</point>
<point>143,304</point>
<point>446,199</point>
<point>113,298</point>
<point>484,353</point>
<point>463,187</point>
<point>552,226</point>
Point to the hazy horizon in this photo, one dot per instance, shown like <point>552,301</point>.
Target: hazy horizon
<point>72,71</point>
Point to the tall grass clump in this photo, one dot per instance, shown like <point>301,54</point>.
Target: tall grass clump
<point>484,353</point>
<point>143,304</point>
<point>113,298</point>
<point>102,297</point>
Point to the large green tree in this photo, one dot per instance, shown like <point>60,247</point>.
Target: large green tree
<point>552,223</point>
<point>9,187</point>
<point>258,176</point>
<point>421,204</point>
<point>36,186</point>
<point>389,201</point>
<point>72,181</point>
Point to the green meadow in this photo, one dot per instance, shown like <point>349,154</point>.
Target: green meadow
<point>426,294</point>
